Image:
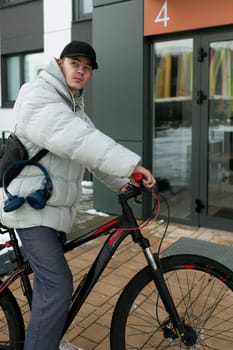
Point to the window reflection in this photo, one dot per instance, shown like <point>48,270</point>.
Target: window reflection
<point>13,77</point>
<point>31,64</point>
<point>82,9</point>
<point>221,82</point>
<point>174,69</point>
<point>172,141</point>
<point>220,145</point>
<point>86,7</point>
<point>19,69</point>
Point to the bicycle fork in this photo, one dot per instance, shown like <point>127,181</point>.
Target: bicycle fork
<point>180,330</point>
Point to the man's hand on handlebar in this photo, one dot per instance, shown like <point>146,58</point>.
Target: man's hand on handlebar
<point>147,179</point>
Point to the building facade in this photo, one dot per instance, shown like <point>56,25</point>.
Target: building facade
<point>164,89</point>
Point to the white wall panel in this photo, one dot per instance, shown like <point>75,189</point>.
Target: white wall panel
<point>57,25</point>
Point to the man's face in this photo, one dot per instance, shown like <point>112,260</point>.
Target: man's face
<point>76,70</point>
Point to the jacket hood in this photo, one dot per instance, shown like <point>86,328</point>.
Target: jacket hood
<point>53,75</point>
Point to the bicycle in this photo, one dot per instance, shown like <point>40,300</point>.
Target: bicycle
<point>175,302</point>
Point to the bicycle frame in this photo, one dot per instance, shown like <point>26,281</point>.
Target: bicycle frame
<point>117,230</point>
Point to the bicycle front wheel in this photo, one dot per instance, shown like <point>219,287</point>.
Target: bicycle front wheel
<point>202,290</point>
<point>11,323</point>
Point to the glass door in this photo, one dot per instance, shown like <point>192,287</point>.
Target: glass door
<point>193,128</point>
<point>218,201</point>
<point>172,123</point>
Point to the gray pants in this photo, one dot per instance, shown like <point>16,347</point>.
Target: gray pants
<point>52,287</point>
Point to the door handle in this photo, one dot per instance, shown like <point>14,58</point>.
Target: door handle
<point>199,205</point>
<point>201,97</point>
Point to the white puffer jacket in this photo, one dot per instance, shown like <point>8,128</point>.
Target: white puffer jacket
<point>48,116</point>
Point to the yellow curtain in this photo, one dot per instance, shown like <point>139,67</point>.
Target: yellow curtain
<point>185,75</point>
<point>163,77</point>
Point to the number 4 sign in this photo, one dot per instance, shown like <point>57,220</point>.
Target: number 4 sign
<point>167,16</point>
<point>162,15</point>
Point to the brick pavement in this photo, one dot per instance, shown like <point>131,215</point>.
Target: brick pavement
<point>90,329</point>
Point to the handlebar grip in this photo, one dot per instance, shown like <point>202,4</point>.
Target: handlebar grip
<point>138,177</point>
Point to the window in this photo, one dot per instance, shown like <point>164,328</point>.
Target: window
<point>172,129</point>
<point>82,9</point>
<point>5,3</point>
<point>13,77</point>
<point>16,70</point>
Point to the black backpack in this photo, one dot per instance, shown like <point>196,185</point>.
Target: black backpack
<point>14,150</point>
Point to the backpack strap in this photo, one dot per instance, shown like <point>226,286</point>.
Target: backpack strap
<point>15,171</point>
<point>37,156</point>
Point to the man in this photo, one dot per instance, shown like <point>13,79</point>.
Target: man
<point>50,114</point>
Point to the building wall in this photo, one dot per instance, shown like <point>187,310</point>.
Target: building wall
<point>25,33</point>
<point>56,26</point>
<point>82,31</point>
<point>118,84</point>
<point>22,27</point>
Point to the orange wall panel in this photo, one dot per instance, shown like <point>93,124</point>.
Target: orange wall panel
<point>166,16</point>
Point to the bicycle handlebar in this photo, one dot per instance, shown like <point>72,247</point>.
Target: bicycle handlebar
<point>133,191</point>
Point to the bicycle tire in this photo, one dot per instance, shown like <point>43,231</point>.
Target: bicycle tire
<point>12,331</point>
<point>202,290</point>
